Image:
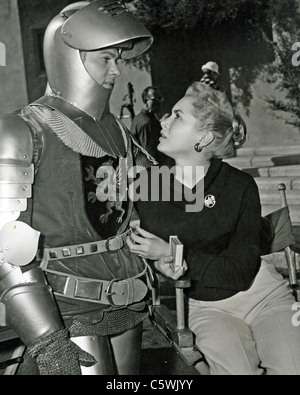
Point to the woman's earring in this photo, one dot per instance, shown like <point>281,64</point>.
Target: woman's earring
<point>198,147</point>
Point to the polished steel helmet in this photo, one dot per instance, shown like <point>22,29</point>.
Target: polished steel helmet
<point>85,26</point>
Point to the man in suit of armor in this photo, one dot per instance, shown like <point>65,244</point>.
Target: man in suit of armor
<point>72,290</point>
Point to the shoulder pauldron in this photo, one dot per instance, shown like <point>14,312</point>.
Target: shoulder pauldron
<point>16,168</point>
<point>16,146</point>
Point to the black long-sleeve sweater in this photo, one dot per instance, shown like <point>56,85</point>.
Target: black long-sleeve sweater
<point>222,242</point>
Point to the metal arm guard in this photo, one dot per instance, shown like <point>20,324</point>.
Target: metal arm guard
<point>30,307</point>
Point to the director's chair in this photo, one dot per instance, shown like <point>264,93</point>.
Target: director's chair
<point>277,237</point>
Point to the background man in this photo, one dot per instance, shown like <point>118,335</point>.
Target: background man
<point>145,126</point>
<point>211,74</point>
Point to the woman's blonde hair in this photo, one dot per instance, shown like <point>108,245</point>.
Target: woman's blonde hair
<point>215,113</point>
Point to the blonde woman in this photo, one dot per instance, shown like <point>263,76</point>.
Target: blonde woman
<point>239,307</point>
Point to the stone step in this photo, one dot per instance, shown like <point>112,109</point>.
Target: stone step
<point>248,162</point>
<point>254,151</point>
<point>273,197</point>
<point>289,170</point>
<point>267,183</point>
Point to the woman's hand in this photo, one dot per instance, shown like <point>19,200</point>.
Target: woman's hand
<point>164,265</point>
<point>147,245</point>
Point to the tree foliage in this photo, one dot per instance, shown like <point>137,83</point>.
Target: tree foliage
<point>186,14</point>
<point>283,72</point>
<point>259,19</point>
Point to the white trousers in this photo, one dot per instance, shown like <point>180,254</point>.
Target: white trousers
<point>251,333</point>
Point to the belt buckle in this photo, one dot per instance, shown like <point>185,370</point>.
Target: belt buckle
<point>107,244</point>
<point>109,294</point>
<point>119,238</point>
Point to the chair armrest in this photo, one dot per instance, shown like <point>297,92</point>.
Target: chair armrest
<point>184,283</point>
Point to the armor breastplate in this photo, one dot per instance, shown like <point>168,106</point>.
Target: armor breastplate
<point>59,193</point>
<point>59,211</point>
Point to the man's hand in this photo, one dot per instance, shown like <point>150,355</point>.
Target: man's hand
<point>58,355</point>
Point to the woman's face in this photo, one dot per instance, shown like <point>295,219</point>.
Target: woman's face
<point>102,66</point>
<point>180,131</point>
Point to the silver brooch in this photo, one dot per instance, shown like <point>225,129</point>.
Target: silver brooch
<point>209,201</point>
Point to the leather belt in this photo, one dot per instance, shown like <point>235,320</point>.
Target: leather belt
<point>109,245</point>
<point>116,292</point>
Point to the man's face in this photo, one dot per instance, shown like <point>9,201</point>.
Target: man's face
<point>210,74</point>
<point>154,101</point>
<point>102,66</point>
